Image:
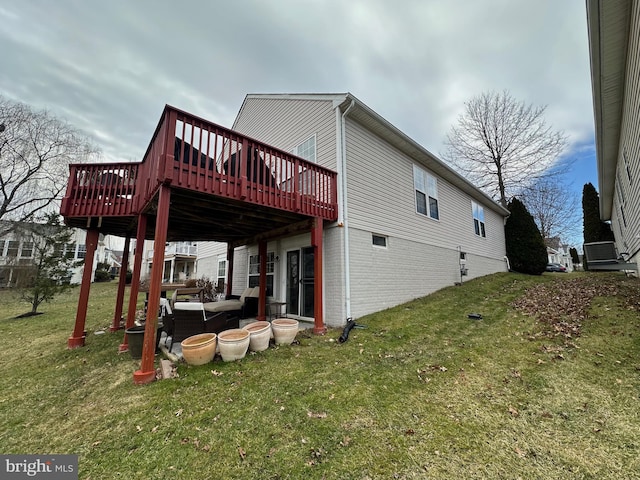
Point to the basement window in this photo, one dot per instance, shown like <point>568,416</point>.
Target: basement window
<point>379,240</point>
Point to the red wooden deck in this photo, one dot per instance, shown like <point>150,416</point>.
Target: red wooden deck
<point>216,176</point>
<point>197,181</point>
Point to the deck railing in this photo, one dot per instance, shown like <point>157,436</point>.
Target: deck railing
<point>192,153</point>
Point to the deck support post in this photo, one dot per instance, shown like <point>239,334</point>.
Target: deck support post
<point>78,337</point>
<point>147,372</point>
<point>229,286</point>
<point>122,281</point>
<point>318,300</point>
<point>262,296</point>
<point>135,280</point>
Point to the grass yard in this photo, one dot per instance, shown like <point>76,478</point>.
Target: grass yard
<point>545,385</point>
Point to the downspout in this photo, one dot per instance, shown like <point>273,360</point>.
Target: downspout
<point>343,212</point>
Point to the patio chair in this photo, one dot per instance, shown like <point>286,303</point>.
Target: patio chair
<point>244,306</point>
<point>190,318</point>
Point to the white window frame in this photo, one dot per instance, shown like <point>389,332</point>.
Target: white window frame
<point>27,247</point>
<point>304,149</point>
<point>385,238</point>
<point>479,226</point>
<point>13,246</point>
<point>254,271</point>
<point>426,184</point>
<point>222,266</point>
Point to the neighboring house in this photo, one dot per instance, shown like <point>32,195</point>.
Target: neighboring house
<point>559,253</point>
<point>561,256</point>
<point>180,260</point>
<point>614,37</point>
<point>407,223</point>
<point>17,254</point>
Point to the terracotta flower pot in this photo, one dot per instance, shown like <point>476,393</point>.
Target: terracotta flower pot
<point>259,335</point>
<point>199,349</point>
<point>284,330</point>
<point>233,344</point>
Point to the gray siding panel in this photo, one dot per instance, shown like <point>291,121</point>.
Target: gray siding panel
<point>384,277</point>
<point>422,253</point>
<point>285,123</point>
<point>627,186</point>
<point>381,199</point>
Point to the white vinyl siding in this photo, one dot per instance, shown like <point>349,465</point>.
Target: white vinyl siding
<point>422,255</point>
<point>626,206</point>
<point>384,277</point>
<point>286,124</point>
<point>381,198</point>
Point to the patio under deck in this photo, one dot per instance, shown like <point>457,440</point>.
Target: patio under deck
<point>197,182</point>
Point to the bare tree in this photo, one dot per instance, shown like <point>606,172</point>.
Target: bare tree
<point>502,145</point>
<point>35,151</point>
<point>554,208</point>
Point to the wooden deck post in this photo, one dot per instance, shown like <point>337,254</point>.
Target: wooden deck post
<point>147,372</point>
<point>122,281</point>
<point>135,280</point>
<point>262,296</point>
<point>78,337</point>
<point>229,286</point>
<point>316,243</point>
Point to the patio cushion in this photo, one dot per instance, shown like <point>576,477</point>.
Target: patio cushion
<point>188,306</point>
<point>223,306</point>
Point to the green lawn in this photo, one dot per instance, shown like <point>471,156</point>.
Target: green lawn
<point>423,392</point>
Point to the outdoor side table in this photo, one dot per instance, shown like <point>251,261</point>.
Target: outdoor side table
<point>275,309</point>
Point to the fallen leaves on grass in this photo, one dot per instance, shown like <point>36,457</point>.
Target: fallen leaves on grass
<point>422,373</point>
<point>561,306</point>
<point>316,414</point>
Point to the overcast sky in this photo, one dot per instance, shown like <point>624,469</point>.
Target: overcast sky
<point>109,67</point>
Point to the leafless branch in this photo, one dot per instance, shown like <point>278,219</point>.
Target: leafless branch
<point>35,151</point>
<point>502,145</point>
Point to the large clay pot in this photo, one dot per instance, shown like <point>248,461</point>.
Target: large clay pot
<point>259,335</point>
<point>284,330</point>
<point>233,344</point>
<point>199,349</point>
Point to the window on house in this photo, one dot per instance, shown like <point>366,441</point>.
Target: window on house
<point>624,219</point>
<point>222,273</point>
<point>2,244</point>
<point>626,164</point>
<point>12,248</point>
<point>478,219</point>
<point>379,240</point>
<point>426,187</point>
<point>307,179</point>
<point>27,250</point>
<point>69,250</point>
<point>82,251</point>
<point>306,149</point>
<point>254,271</point>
